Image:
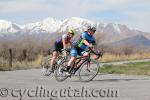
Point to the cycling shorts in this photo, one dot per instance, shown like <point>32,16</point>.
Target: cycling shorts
<point>57,47</point>
<point>75,51</point>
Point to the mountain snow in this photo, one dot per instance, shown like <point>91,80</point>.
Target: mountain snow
<point>48,25</point>
<point>116,27</point>
<point>78,24</point>
<point>51,25</point>
<point>7,27</point>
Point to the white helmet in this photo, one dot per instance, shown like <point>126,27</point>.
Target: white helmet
<point>92,28</point>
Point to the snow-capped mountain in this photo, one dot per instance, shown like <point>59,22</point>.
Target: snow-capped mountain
<point>116,31</point>
<point>48,25</point>
<point>51,25</point>
<point>7,27</point>
<point>78,24</point>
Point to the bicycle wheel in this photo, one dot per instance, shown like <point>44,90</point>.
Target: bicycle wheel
<point>59,74</point>
<point>45,64</point>
<point>88,70</point>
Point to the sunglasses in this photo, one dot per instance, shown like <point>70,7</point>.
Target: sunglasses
<point>93,31</point>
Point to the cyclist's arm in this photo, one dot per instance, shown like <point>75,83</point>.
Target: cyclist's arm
<point>96,52</point>
<point>70,43</point>
<point>84,37</point>
<point>95,47</point>
<point>63,41</point>
<point>64,47</point>
<point>87,43</point>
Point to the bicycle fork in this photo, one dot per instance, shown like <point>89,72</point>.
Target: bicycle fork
<point>88,65</point>
<point>75,67</point>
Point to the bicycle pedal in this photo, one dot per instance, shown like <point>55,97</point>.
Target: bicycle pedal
<point>68,74</point>
<point>51,70</point>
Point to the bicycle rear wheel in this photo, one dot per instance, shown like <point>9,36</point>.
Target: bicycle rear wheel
<point>59,74</point>
<point>88,70</point>
<point>44,65</point>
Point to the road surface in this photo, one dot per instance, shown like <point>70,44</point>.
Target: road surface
<point>30,85</point>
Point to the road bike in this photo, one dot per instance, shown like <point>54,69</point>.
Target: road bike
<point>46,62</point>
<point>86,67</point>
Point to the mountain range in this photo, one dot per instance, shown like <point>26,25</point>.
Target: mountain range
<point>137,42</point>
<point>111,32</point>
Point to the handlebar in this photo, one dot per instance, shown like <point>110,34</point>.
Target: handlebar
<point>67,50</point>
<point>99,54</point>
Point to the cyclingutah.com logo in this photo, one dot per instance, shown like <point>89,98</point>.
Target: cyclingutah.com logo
<point>69,92</point>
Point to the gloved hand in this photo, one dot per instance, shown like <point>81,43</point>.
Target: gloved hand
<point>91,46</point>
<point>64,52</point>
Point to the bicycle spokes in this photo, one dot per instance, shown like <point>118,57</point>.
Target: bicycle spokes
<point>88,66</point>
<point>88,70</point>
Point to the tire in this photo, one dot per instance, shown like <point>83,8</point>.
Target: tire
<point>59,74</point>
<point>86,73</point>
<point>44,66</point>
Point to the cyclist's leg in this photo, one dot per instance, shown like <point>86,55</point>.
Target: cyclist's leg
<point>56,48</point>
<point>84,53</point>
<point>76,67</point>
<point>54,56</point>
<point>73,53</point>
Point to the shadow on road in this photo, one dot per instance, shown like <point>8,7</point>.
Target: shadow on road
<point>111,80</point>
<point>115,79</point>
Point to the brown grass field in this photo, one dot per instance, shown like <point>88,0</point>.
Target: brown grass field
<point>107,57</point>
<point>112,57</point>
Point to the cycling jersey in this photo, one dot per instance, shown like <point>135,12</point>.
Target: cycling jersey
<point>58,45</point>
<point>80,47</point>
<point>85,36</point>
<point>64,36</point>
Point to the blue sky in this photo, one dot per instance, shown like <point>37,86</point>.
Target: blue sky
<point>133,13</point>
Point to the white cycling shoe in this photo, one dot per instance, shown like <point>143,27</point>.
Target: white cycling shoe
<point>68,74</point>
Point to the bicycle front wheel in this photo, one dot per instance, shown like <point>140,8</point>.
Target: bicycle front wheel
<point>88,70</point>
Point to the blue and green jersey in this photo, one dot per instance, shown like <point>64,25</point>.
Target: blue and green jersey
<point>85,36</point>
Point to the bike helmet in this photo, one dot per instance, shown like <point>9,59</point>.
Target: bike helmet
<point>92,28</point>
<point>71,31</point>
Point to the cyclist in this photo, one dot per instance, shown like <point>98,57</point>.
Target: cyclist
<point>86,40</point>
<point>60,45</point>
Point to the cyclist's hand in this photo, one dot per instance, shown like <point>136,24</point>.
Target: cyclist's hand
<point>91,46</point>
<point>65,53</point>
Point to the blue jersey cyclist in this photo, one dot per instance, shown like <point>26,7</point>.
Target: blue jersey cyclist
<point>61,43</point>
<point>86,40</point>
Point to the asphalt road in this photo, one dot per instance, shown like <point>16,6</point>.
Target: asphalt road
<point>31,85</point>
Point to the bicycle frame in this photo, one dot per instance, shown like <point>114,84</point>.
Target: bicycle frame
<point>78,63</point>
<point>83,59</point>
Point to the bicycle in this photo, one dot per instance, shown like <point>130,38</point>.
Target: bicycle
<point>87,68</point>
<point>45,63</point>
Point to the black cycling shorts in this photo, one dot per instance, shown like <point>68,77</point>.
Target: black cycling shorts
<point>57,47</point>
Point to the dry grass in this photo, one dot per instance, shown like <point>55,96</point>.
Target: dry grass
<point>28,65</point>
<point>107,57</point>
<point>4,66</point>
<point>112,57</point>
